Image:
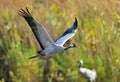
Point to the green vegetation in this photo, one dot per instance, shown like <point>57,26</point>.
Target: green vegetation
<point>97,40</point>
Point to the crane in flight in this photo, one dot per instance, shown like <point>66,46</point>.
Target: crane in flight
<point>49,47</point>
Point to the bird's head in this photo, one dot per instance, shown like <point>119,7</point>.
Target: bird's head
<point>73,45</point>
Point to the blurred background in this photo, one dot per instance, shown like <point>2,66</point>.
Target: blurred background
<point>97,40</point>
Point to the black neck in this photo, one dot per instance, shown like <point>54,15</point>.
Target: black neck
<point>67,47</point>
<point>80,65</point>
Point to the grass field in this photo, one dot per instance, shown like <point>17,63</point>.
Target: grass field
<point>97,40</point>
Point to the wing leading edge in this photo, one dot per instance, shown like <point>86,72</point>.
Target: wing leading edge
<point>40,32</point>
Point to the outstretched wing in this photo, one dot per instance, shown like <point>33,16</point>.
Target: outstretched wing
<point>70,32</point>
<point>40,32</point>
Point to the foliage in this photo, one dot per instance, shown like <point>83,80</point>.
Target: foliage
<point>97,40</point>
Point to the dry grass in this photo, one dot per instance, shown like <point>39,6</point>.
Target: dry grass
<point>97,39</point>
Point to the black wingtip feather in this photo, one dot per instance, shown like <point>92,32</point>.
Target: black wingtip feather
<point>75,24</point>
<point>27,16</point>
<point>28,11</point>
<point>70,30</point>
<point>24,13</point>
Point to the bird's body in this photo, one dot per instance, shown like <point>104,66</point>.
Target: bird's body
<point>88,74</point>
<point>49,47</point>
<point>52,50</point>
<point>91,75</point>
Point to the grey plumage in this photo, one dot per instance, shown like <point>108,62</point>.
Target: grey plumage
<point>49,47</point>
